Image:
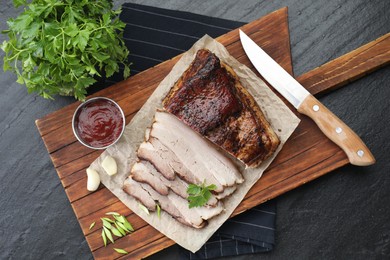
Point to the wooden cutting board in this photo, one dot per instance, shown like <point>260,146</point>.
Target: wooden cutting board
<point>307,155</point>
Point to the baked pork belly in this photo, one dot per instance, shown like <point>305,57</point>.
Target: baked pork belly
<point>173,204</point>
<point>195,152</point>
<point>225,193</point>
<point>162,159</point>
<point>165,161</point>
<point>177,185</point>
<point>210,98</point>
<point>135,189</point>
<point>145,172</point>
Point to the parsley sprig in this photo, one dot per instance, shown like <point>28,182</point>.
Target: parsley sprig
<point>61,47</point>
<point>199,194</point>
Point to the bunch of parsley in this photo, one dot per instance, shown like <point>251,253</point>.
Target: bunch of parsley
<point>60,47</point>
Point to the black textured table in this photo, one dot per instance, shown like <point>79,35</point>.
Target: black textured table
<point>344,214</point>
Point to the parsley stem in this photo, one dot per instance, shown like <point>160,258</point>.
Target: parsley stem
<point>74,75</point>
<point>16,67</point>
<point>19,50</point>
<point>99,28</point>
<point>16,56</point>
<point>63,42</point>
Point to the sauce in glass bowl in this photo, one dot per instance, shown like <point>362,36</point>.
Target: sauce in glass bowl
<point>98,123</point>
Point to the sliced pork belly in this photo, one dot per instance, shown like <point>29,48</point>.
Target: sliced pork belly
<point>156,179</point>
<point>169,204</point>
<point>194,215</point>
<point>209,212</point>
<point>173,204</point>
<point>204,213</point>
<point>135,189</point>
<point>153,150</point>
<point>226,192</point>
<point>194,151</point>
<point>172,161</point>
<point>186,156</point>
<point>141,173</point>
<point>149,195</point>
<point>160,158</point>
<point>145,172</point>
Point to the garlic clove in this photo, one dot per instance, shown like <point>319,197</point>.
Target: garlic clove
<point>109,165</point>
<point>93,181</point>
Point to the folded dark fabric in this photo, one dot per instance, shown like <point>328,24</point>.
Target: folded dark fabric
<point>249,232</point>
<point>154,35</point>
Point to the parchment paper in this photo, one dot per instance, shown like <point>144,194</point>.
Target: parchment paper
<point>282,120</point>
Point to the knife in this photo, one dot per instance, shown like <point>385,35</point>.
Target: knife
<point>335,129</point>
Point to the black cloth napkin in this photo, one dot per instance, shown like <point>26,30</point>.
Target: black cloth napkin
<point>154,35</point>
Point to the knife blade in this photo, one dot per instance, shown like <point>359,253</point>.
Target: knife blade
<point>335,129</point>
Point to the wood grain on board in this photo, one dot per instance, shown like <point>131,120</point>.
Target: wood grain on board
<point>307,155</point>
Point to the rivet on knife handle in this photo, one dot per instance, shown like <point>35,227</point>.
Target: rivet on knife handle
<point>337,131</point>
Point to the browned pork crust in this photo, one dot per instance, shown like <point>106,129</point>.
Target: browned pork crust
<point>210,98</point>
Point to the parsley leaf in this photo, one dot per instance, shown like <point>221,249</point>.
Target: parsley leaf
<point>199,194</point>
<point>62,47</point>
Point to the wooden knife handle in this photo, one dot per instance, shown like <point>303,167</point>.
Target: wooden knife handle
<point>337,131</point>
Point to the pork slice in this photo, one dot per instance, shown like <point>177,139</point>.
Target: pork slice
<point>173,162</point>
<point>185,155</point>
<point>146,195</point>
<point>226,192</point>
<point>157,180</point>
<point>165,161</point>
<point>209,212</point>
<point>177,185</point>
<point>159,158</point>
<point>204,212</point>
<point>135,189</point>
<point>160,183</point>
<point>141,173</point>
<point>186,176</point>
<point>193,150</point>
<point>153,150</point>
<point>173,204</point>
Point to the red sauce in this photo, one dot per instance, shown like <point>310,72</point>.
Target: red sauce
<point>99,123</point>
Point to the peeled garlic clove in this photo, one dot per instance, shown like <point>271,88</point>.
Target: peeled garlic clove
<point>93,180</point>
<point>109,165</point>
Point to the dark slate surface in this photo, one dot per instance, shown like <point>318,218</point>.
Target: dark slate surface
<point>343,215</point>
